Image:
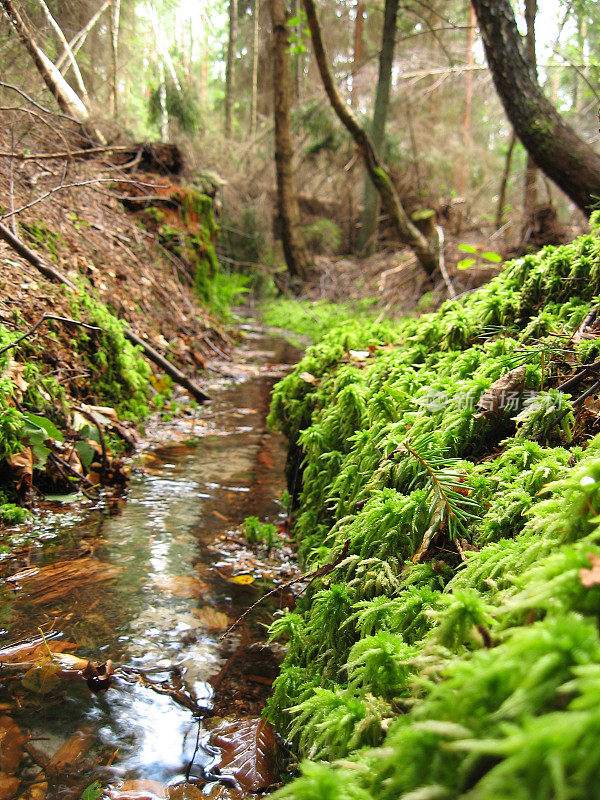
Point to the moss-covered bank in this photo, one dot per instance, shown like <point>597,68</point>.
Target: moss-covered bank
<point>454,652</point>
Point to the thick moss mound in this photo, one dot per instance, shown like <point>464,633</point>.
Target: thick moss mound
<point>454,651</point>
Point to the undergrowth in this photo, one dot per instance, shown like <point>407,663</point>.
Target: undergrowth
<point>454,650</point>
<point>315,319</point>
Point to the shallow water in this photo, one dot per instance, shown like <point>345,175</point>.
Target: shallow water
<point>200,479</point>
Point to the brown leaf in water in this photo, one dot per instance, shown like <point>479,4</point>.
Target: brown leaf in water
<point>21,465</point>
<point>181,585</point>
<point>32,650</point>
<point>45,584</point>
<point>8,786</point>
<point>137,790</point>
<point>37,791</point>
<point>591,577</point>
<point>71,751</point>
<point>211,619</point>
<point>248,752</point>
<point>11,745</point>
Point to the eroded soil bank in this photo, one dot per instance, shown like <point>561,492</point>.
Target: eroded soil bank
<point>150,582</point>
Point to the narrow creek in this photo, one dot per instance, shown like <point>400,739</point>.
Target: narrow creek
<point>179,575</point>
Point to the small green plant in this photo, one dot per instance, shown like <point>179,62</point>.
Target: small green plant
<point>257,532</point>
<point>477,256</point>
<point>323,236</point>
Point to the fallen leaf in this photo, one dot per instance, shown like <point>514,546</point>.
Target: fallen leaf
<point>248,752</point>
<point>591,577</point>
<point>42,678</point>
<point>71,751</point>
<point>37,791</point>
<point>181,585</point>
<point>45,584</point>
<point>211,619</point>
<point>307,377</point>
<point>15,371</point>
<point>11,745</point>
<point>22,467</point>
<point>137,790</point>
<point>243,580</point>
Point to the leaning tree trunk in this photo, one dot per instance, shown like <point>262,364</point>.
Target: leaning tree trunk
<point>370,216</point>
<point>68,101</point>
<point>408,233</point>
<point>295,254</point>
<point>229,71</point>
<point>555,147</point>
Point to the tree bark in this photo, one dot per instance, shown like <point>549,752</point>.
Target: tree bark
<point>293,248</point>
<point>504,181</point>
<point>114,40</point>
<point>358,50</point>
<point>370,218</point>
<point>466,120</point>
<point>76,72</point>
<point>555,147</point>
<point>254,99</point>
<point>229,74</point>
<point>530,188</point>
<point>409,234</point>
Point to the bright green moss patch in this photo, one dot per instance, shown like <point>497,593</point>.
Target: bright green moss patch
<point>315,319</point>
<point>454,651</point>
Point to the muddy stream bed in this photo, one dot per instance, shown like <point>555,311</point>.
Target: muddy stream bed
<point>163,572</point>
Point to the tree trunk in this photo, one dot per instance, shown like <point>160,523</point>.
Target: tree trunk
<point>409,234</point>
<point>78,40</point>
<point>359,48</point>
<point>61,37</point>
<point>229,74</point>
<point>370,218</point>
<point>254,100</point>
<point>461,183</point>
<point>504,181</point>
<point>114,40</point>
<point>293,248</point>
<point>555,147</point>
<point>530,189</point>
<point>68,101</point>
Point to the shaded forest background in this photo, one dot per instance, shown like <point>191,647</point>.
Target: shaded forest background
<point>200,75</point>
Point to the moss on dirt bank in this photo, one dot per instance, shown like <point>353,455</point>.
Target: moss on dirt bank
<point>454,651</point>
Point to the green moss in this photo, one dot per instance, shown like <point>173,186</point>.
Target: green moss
<point>41,235</point>
<point>118,376</point>
<point>439,660</point>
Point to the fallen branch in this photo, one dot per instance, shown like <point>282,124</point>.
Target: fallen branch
<point>65,154</point>
<point>42,319</point>
<point>55,275</point>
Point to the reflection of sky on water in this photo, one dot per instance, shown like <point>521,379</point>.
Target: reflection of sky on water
<point>161,532</point>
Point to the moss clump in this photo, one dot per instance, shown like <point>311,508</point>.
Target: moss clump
<point>118,374</point>
<point>41,235</point>
<point>438,659</point>
<point>316,319</point>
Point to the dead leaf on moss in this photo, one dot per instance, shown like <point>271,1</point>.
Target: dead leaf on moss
<point>248,752</point>
<point>307,377</point>
<point>591,577</point>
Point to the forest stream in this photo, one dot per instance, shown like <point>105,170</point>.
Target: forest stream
<point>165,571</point>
